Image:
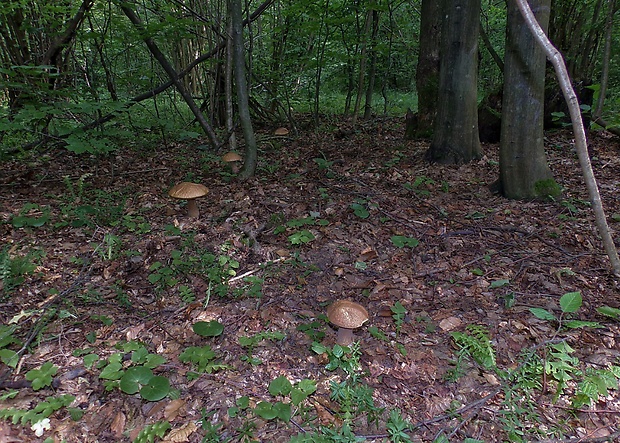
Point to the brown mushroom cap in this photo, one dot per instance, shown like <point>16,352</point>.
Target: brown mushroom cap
<point>347,314</point>
<point>232,157</point>
<point>281,131</point>
<point>189,191</point>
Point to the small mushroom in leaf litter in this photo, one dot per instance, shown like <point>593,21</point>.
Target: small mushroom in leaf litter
<point>234,160</point>
<point>347,316</point>
<point>190,192</point>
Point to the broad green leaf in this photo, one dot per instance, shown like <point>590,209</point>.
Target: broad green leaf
<point>156,389</point>
<point>9,357</point>
<point>499,283</point>
<point>265,410</point>
<point>134,377</point>
<point>609,312</point>
<point>542,314</point>
<point>283,411</point>
<point>571,302</point>
<point>280,386</point>
<point>400,241</point>
<point>211,328</point>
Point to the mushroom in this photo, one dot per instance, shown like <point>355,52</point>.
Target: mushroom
<point>234,160</point>
<point>281,131</point>
<point>347,315</point>
<point>190,192</point>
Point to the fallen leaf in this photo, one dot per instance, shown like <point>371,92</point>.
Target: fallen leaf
<point>118,424</point>
<point>450,323</point>
<point>172,409</point>
<point>181,434</point>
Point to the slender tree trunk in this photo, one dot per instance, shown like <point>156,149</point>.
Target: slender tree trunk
<point>373,65</point>
<point>230,110</point>
<point>455,137</point>
<point>581,144</point>
<point>174,76</point>
<point>524,172</point>
<point>362,66</point>
<point>249,161</point>
<point>427,71</point>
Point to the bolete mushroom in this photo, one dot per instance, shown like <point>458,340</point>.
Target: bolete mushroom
<point>347,315</point>
<point>234,160</point>
<point>281,132</point>
<point>190,192</point>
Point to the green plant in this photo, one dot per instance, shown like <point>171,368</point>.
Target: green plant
<point>355,398</point>
<point>314,330</point>
<point>187,294</point>
<point>42,377</point>
<point>420,186</point>
<point>110,247</point>
<point>31,215</point>
<point>202,358</point>
<point>138,377</point>
<point>37,417</point>
<point>346,358</point>
<point>14,269</point>
<point>301,237</point>
<point>398,314</point>
<point>8,356</point>
<point>211,430</point>
<point>400,241</point>
<point>396,427</point>
<point>360,208</point>
<point>569,304</point>
<point>149,432</point>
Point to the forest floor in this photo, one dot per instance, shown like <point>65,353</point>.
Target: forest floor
<point>440,263</point>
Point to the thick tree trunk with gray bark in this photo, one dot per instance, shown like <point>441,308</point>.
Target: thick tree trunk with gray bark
<point>524,173</point>
<point>455,137</point>
<point>427,71</point>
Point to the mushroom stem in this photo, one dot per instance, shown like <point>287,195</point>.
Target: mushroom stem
<point>192,208</point>
<point>345,337</point>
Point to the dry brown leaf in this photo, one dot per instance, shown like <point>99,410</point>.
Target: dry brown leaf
<point>450,323</point>
<point>118,424</point>
<point>181,434</point>
<point>134,332</point>
<point>325,417</point>
<point>172,409</point>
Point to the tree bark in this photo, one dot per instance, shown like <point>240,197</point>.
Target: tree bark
<point>455,137</point>
<point>427,71</point>
<point>579,131</point>
<point>249,161</point>
<point>524,172</point>
<point>230,112</point>
<point>370,89</point>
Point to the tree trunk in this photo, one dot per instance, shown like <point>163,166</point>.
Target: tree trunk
<point>524,173</point>
<point>427,71</point>
<point>581,144</point>
<point>362,65</point>
<point>455,138</point>
<point>230,109</point>
<point>249,161</point>
<point>373,65</point>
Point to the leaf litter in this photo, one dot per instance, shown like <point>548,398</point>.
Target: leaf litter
<point>376,225</point>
